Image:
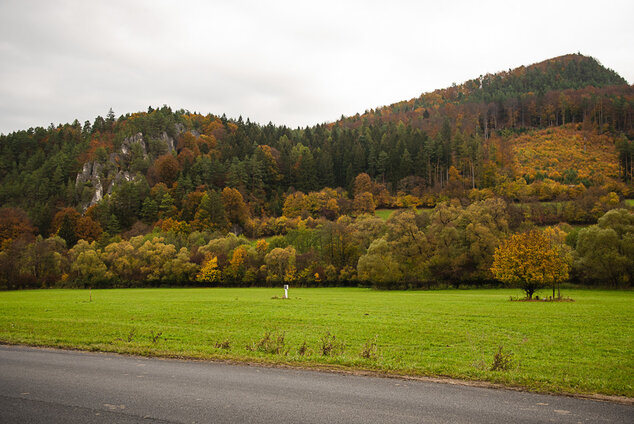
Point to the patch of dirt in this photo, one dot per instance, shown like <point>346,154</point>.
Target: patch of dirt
<point>545,299</point>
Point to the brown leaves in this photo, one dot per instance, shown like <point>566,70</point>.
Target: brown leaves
<point>14,223</point>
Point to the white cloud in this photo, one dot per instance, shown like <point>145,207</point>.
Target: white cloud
<point>289,62</point>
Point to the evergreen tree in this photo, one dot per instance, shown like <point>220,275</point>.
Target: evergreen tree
<point>211,212</point>
<point>67,232</point>
<point>113,226</point>
<point>110,119</point>
<point>406,164</point>
<point>149,210</point>
<point>166,208</point>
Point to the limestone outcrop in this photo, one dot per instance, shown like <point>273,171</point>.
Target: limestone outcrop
<point>98,178</point>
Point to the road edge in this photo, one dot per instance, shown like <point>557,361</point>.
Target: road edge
<point>335,369</point>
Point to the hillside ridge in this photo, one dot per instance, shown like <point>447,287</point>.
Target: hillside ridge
<point>569,71</point>
<point>147,166</point>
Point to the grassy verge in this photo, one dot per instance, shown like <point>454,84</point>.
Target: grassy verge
<point>581,347</point>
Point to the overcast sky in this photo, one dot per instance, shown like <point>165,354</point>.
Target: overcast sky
<point>289,62</point>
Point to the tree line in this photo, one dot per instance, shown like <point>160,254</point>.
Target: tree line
<point>450,245</point>
<point>39,168</point>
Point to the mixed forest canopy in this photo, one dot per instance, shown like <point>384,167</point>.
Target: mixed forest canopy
<point>546,144</point>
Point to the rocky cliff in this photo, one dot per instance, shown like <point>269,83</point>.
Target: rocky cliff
<point>98,177</point>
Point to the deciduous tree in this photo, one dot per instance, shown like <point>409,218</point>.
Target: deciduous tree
<point>530,261</point>
<point>167,169</point>
<point>14,223</point>
<point>209,272</point>
<point>378,265</point>
<point>237,211</point>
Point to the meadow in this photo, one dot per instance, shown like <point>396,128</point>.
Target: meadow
<point>384,214</point>
<point>583,347</point>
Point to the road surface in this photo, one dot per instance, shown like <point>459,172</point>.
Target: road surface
<point>54,386</point>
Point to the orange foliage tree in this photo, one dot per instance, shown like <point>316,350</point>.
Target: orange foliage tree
<point>14,223</point>
<point>235,208</point>
<point>167,169</point>
<point>88,229</point>
<point>72,214</point>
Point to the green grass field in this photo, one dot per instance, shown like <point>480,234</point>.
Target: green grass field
<point>629,202</point>
<point>586,346</point>
<point>384,214</point>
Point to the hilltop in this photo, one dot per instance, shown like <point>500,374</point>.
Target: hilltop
<point>568,72</point>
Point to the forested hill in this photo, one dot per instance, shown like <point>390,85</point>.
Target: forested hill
<point>517,97</point>
<point>572,71</point>
<point>553,130</point>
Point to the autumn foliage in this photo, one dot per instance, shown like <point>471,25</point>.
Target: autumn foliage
<point>565,154</point>
<point>457,171</point>
<point>209,272</point>
<point>166,169</point>
<point>13,224</point>
<point>529,261</point>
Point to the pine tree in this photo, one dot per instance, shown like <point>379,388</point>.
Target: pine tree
<point>211,212</point>
<point>166,207</point>
<point>113,227</point>
<point>67,232</point>
<point>110,118</point>
<point>149,210</point>
<point>406,164</point>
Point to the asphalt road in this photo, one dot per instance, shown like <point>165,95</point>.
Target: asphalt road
<point>54,386</point>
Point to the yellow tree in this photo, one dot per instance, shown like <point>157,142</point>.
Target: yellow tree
<point>530,261</point>
<point>557,238</point>
<point>262,246</point>
<point>293,205</point>
<point>236,267</point>
<point>364,203</point>
<point>362,184</point>
<point>86,264</point>
<point>209,272</point>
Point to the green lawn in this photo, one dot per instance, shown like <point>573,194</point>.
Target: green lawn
<point>586,346</point>
<point>384,214</point>
<point>629,202</point>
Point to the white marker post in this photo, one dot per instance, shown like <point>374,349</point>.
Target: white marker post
<point>285,291</point>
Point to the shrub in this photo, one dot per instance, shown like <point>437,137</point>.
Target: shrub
<point>502,361</point>
<point>272,343</point>
<point>330,346</point>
